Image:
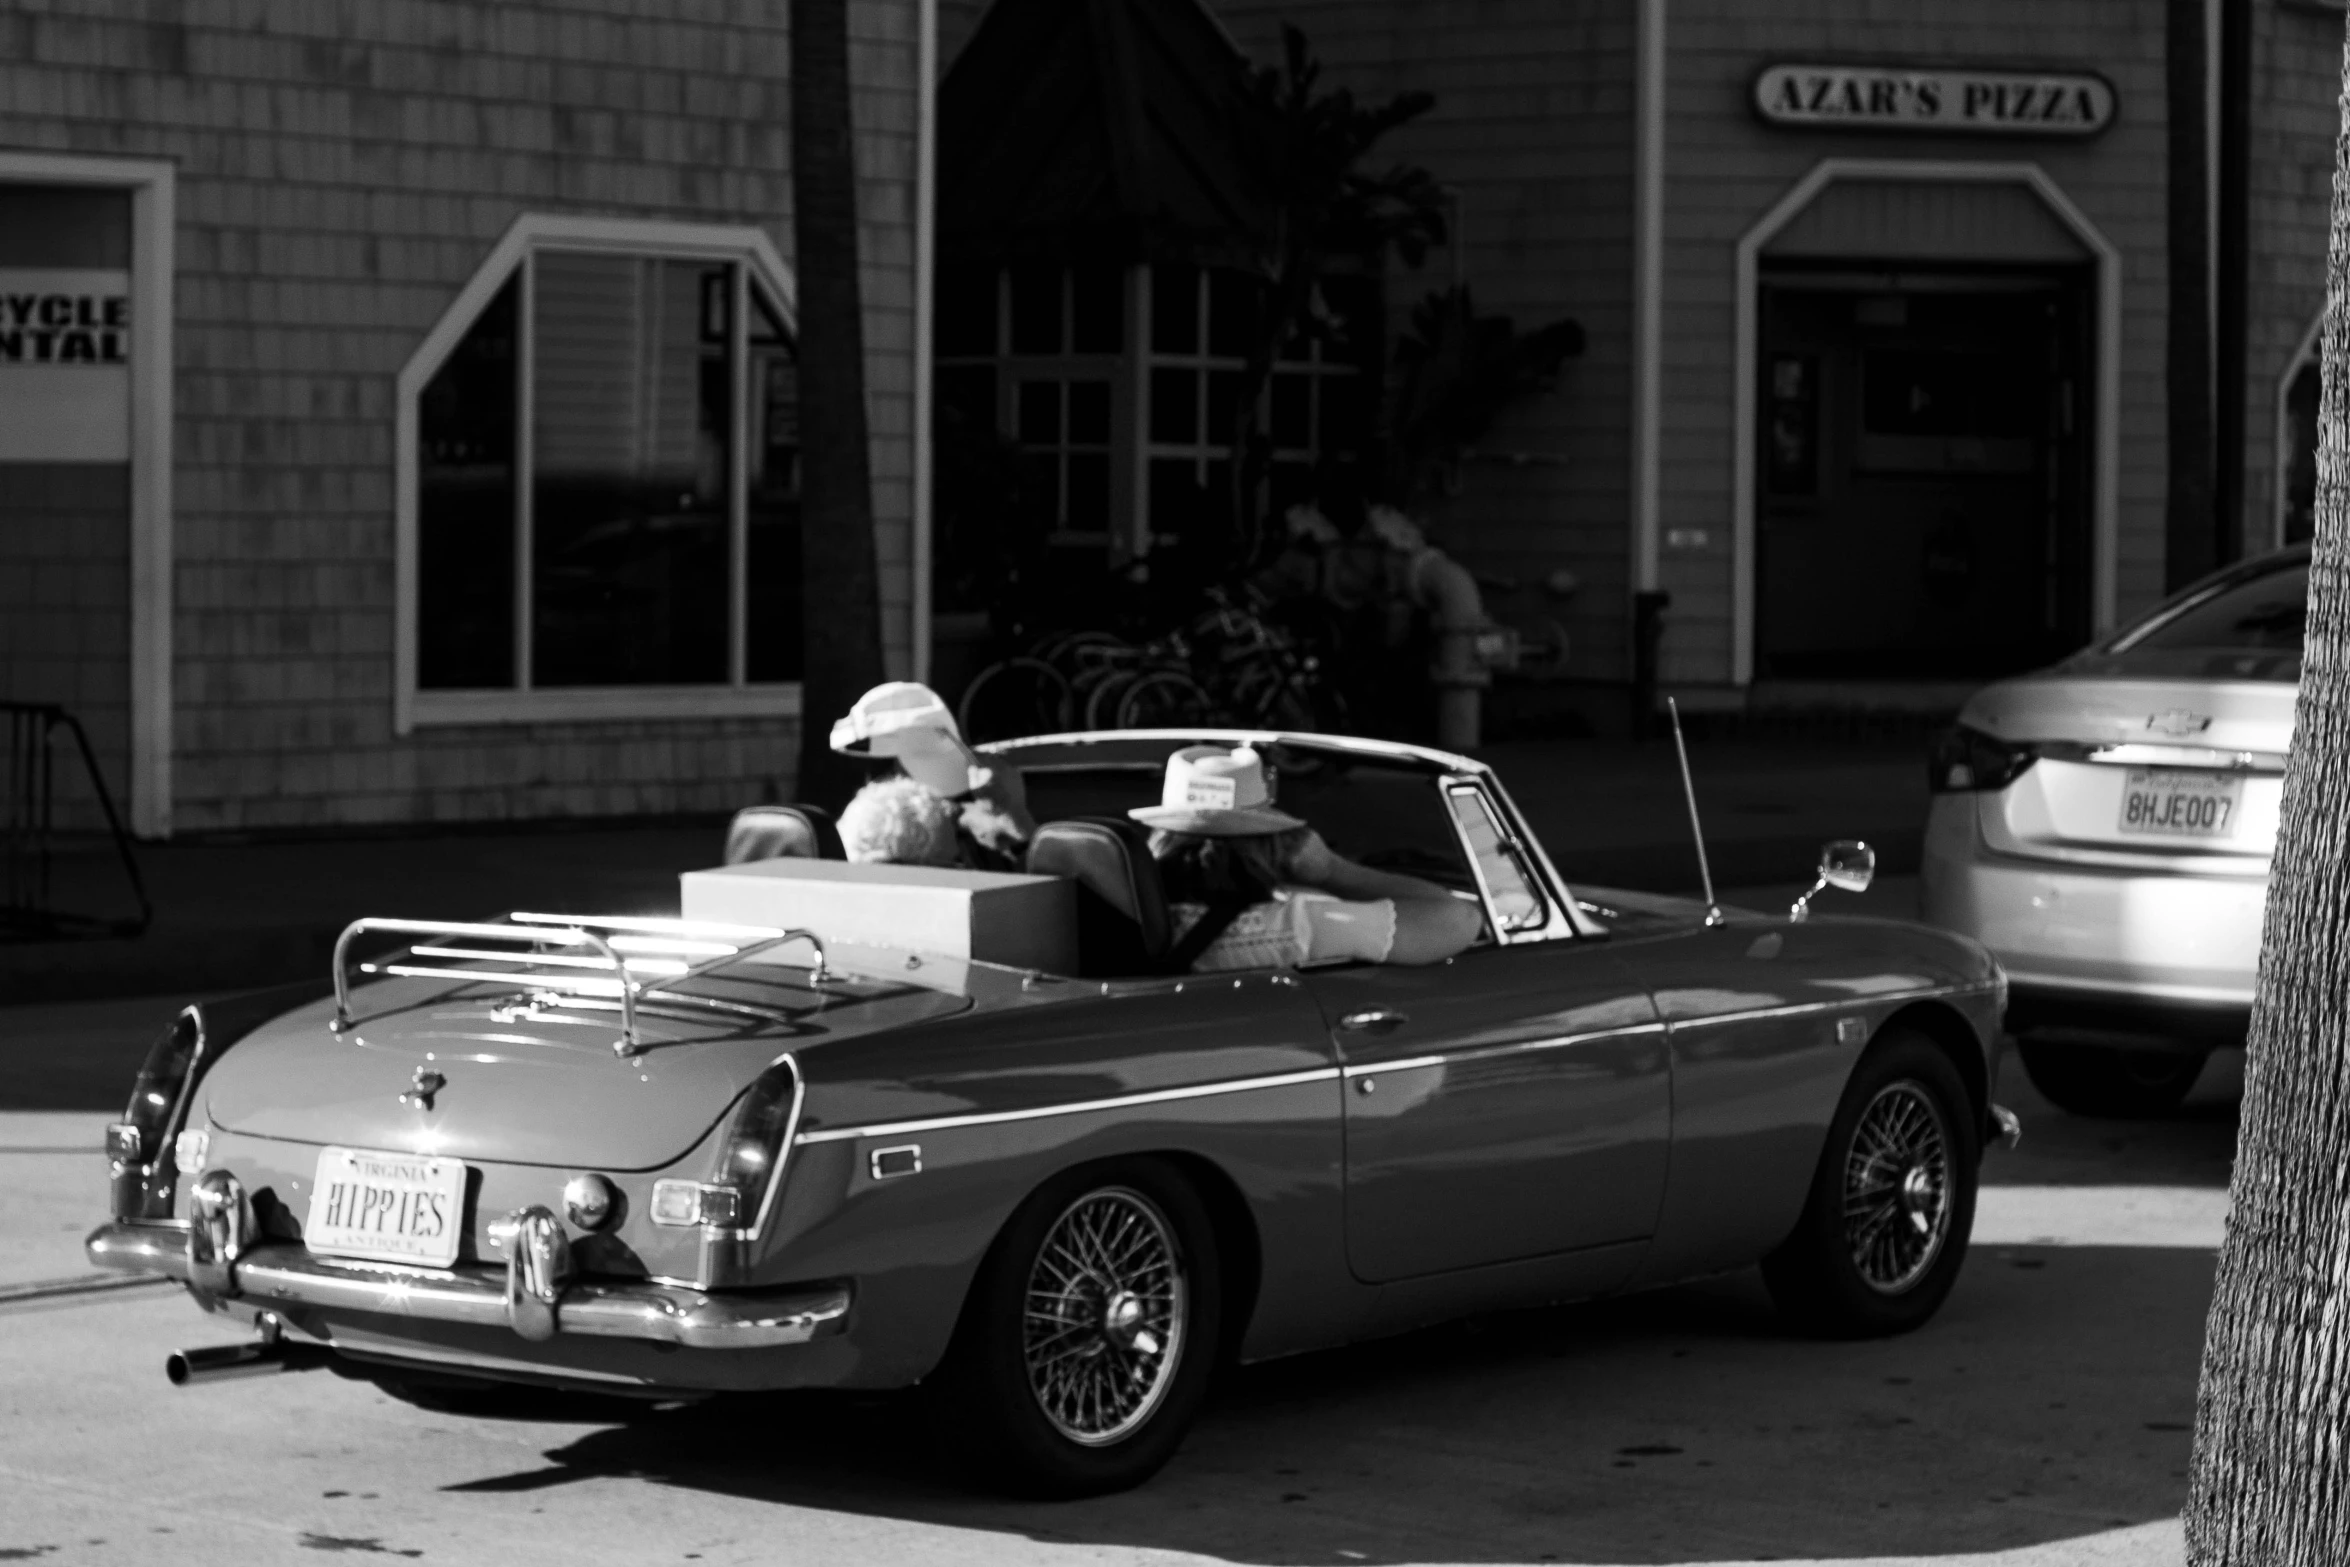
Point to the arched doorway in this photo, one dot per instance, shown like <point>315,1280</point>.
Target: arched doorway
<point>1922,496</point>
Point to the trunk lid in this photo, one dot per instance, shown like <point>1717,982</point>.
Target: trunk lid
<point>2137,768</point>
<point>528,1084</point>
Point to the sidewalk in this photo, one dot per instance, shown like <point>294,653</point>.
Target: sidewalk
<point>236,915</point>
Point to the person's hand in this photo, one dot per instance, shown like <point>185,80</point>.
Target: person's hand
<point>1005,794</point>
<point>1311,862</point>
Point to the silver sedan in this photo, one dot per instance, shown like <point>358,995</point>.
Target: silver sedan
<point>2104,826</point>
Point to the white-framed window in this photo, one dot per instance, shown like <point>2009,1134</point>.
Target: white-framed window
<point>1203,322</point>
<point>1119,384</point>
<point>598,499</point>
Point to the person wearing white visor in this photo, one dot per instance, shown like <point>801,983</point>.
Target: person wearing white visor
<point>1250,886</point>
<point>907,722</point>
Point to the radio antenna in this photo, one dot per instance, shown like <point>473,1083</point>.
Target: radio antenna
<point>1705,874</point>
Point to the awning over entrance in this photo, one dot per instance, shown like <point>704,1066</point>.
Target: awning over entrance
<point>1107,130</point>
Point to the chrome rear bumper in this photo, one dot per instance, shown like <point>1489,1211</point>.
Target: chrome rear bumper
<point>531,1295</point>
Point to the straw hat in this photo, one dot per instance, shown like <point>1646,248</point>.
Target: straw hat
<point>908,721</point>
<point>1217,793</point>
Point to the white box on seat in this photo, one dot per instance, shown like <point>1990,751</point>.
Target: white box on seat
<point>1020,921</point>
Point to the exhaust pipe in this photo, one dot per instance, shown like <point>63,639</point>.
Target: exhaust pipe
<point>264,1356</point>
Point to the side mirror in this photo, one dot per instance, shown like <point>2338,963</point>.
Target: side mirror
<point>1847,863</point>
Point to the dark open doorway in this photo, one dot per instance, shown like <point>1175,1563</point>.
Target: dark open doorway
<point>1923,473</point>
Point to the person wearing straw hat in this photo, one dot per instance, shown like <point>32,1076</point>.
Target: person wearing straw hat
<point>908,722</point>
<point>1250,886</point>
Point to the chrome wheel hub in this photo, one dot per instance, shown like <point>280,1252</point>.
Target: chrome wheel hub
<point>1103,1326</point>
<point>1897,1191</point>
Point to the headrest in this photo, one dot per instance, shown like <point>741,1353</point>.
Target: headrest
<point>1121,909</point>
<point>780,832</point>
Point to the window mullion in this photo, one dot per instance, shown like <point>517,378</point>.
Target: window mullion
<point>525,464</point>
<point>1135,445</point>
<point>738,481</point>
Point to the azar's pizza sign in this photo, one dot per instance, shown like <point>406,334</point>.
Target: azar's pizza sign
<point>1905,98</point>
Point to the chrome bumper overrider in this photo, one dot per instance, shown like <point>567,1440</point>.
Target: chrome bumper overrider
<point>533,1294</point>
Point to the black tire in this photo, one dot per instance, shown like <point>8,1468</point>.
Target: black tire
<point>1102,698</point>
<point>2110,1082</point>
<point>1165,699</point>
<point>1884,1229</point>
<point>1018,1379</point>
<point>1013,698</point>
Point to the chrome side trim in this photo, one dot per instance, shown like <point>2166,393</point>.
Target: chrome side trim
<point>948,1123</point>
<point>1799,1008</point>
<point>667,1313</point>
<point>943,1123</point>
<point>1401,1064</point>
<point>1515,1047</point>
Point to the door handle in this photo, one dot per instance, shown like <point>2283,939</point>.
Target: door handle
<point>1374,1020</point>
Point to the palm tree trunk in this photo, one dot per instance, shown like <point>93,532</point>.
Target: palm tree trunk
<point>2271,1477</point>
<point>840,578</point>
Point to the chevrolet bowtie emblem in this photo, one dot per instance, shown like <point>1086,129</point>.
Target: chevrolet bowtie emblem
<point>428,1083</point>
<point>2178,723</point>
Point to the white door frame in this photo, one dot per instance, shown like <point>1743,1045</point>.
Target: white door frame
<point>2105,433</point>
<point>150,184</point>
<point>2305,351</point>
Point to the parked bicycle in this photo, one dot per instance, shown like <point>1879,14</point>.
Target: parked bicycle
<point>1232,666</point>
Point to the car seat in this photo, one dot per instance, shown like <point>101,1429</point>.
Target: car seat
<point>780,832</point>
<point>1122,924</point>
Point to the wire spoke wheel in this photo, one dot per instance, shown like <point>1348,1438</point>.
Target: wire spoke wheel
<point>1106,1317</point>
<point>1896,1190</point>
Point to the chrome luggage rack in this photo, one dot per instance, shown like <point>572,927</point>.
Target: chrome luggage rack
<point>625,960</point>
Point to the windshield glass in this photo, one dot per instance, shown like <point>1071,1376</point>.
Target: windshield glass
<point>2244,624</point>
<point>1388,815</point>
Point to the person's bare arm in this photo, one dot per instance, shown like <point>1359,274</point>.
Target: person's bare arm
<point>1431,924</point>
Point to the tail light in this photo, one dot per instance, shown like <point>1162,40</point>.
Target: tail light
<point>1967,761</point>
<point>146,1146</point>
<point>750,1161</point>
<point>139,1145</point>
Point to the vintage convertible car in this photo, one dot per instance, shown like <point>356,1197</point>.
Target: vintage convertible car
<point>670,1157</point>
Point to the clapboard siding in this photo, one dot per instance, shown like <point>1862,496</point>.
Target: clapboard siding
<point>1724,171</point>
<point>2296,64</point>
<point>343,171</point>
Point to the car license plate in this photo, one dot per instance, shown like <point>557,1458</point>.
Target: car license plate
<point>388,1207</point>
<point>2180,803</point>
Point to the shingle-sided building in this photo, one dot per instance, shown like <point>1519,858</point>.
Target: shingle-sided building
<point>398,404</point>
<point>1877,301</point>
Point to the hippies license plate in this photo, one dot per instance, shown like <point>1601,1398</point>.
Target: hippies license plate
<point>386,1207</point>
<point>2172,802</point>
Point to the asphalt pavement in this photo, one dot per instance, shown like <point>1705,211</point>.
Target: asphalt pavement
<point>2042,1420</point>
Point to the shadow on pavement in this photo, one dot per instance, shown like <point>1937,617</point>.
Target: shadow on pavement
<point>2051,1400</point>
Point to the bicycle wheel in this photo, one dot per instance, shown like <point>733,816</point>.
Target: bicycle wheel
<point>1102,698</point>
<point>1263,695</point>
<point>1166,699</point>
<point>1012,698</point>
<point>1075,652</point>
